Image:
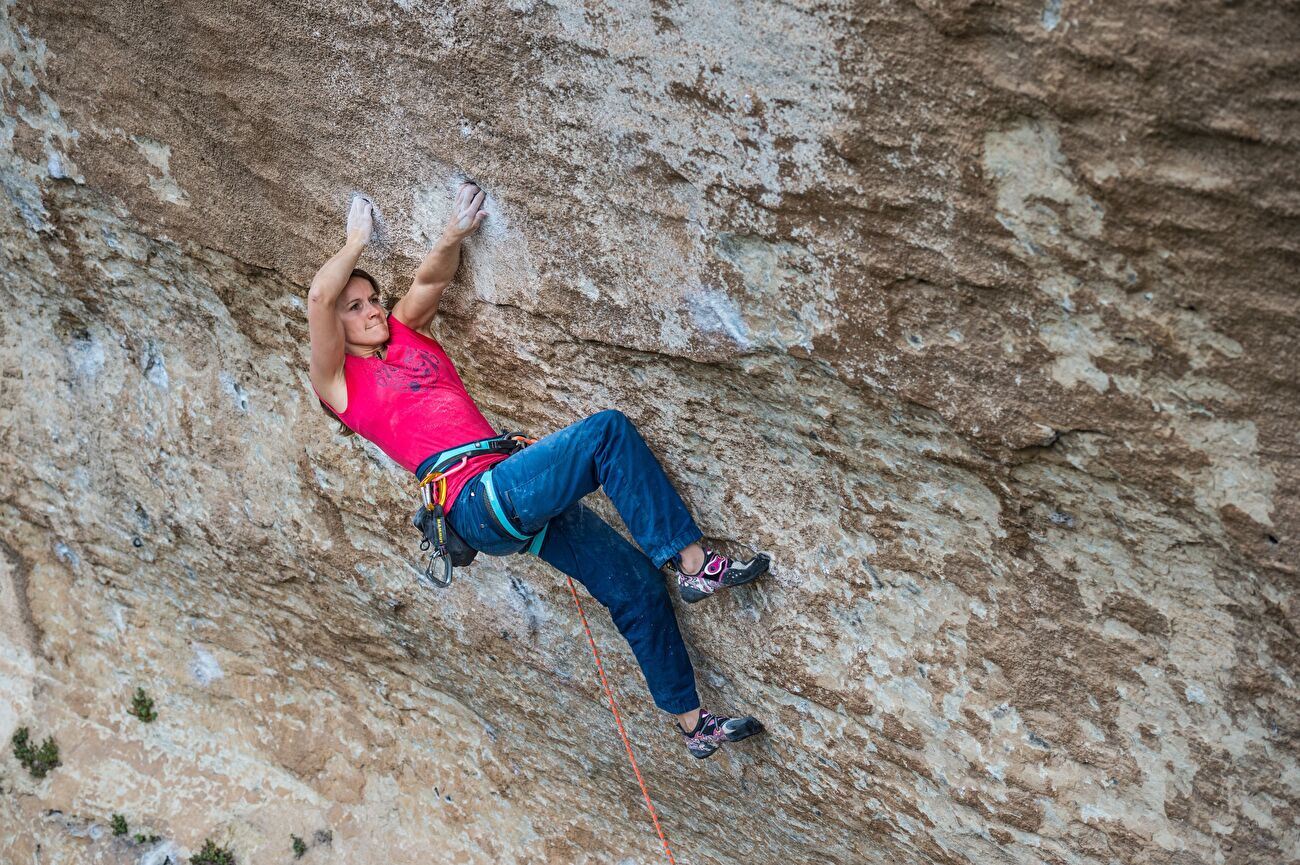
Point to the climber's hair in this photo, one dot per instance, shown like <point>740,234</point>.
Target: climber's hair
<point>356,271</point>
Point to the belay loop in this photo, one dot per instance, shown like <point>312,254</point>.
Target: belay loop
<point>444,547</point>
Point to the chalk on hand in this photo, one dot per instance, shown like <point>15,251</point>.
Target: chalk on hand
<point>379,236</point>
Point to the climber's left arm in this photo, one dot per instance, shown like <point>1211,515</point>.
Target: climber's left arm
<point>417,307</point>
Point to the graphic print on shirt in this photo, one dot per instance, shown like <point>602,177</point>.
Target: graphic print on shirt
<point>414,369</point>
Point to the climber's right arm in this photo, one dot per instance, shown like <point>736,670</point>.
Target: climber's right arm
<point>323,325</point>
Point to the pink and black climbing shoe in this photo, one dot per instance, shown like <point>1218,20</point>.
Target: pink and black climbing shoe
<point>719,572</point>
<point>712,730</point>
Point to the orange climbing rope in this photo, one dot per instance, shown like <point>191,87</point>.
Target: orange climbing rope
<point>619,721</point>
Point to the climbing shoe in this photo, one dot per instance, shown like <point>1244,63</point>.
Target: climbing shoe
<point>718,572</point>
<point>712,730</point>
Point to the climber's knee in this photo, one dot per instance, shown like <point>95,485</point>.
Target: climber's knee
<point>611,417</point>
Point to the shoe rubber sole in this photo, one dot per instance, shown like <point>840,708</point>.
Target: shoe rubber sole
<point>760,564</point>
<point>744,728</point>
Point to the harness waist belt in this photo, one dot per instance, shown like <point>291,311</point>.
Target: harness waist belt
<point>506,443</point>
<point>496,444</point>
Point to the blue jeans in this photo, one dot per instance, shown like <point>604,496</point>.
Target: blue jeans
<point>545,481</point>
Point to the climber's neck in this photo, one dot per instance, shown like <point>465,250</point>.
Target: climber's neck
<point>366,350</point>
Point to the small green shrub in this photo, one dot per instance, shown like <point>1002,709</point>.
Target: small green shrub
<point>211,854</point>
<point>142,707</point>
<point>299,846</point>
<point>141,838</point>
<point>119,825</point>
<point>38,761</point>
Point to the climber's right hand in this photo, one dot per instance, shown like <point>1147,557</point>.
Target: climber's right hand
<point>361,220</point>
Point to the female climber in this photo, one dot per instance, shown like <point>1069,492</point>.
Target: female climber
<point>382,378</point>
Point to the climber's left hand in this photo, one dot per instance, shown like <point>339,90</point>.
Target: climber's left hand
<point>467,213</point>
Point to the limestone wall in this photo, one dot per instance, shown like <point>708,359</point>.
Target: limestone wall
<point>980,317</point>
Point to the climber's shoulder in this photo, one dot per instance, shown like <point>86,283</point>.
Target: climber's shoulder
<point>412,315</point>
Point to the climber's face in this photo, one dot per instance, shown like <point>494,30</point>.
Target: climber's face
<point>365,321</point>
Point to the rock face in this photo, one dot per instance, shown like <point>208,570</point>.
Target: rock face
<point>981,317</point>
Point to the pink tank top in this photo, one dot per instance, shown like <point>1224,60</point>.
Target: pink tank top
<point>412,404</point>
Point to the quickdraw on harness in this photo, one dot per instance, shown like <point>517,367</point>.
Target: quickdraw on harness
<point>440,542</point>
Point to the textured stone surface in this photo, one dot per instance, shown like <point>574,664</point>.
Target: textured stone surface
<point>981,317</point>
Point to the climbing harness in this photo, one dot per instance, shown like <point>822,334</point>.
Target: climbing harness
<point>439,541</point>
